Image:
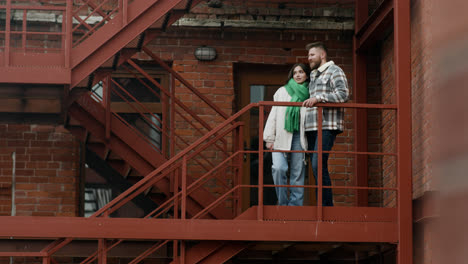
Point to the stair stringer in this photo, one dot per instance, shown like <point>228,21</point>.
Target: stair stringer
<point>218,251</point>
<point>137,153</point>
<point>113,37</point>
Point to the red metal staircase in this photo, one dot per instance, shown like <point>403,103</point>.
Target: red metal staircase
<point>86,57</point>
<point>124,149</point>
<point>92,33</point>
<point>133,19</point>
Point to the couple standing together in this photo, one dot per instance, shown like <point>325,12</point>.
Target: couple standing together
<point>295,128</point>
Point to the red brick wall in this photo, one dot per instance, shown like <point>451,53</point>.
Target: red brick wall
<point>422,95</point>
<point>422,62</point>
<point>421,108</point>
<point>388,126</point>
<point>422,91</point>
<point>374,123</point>
<point>422,120</point>
<point>46,170</point>
<point>216,79</point>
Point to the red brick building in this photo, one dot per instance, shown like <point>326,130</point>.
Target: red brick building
<point>107,113</point>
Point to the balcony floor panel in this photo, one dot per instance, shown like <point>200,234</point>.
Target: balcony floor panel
<point>345,224</point>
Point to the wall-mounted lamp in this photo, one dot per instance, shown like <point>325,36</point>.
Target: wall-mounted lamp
<point>205,53</point>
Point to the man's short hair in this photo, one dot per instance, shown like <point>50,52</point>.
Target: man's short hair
<point>318,44</point>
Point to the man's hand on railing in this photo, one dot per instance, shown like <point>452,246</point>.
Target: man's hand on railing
<point>310,102</point>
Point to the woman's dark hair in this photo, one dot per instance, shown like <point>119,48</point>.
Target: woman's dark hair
<point>304,67</point>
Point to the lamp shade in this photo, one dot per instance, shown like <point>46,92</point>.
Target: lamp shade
<point>205,53</point>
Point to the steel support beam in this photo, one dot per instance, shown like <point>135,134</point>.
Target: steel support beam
<point>374,28</point>
<point>136,15</point>
<point>402,57</point>
<point>87,58</point>
<point>203,229</point>
<point>35,75</point>
<point>77,248</point>
<point>224,254</point>
<point>360,115</point>
<point>122,143</point>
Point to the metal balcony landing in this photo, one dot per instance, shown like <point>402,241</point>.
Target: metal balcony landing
<point>279,223</point>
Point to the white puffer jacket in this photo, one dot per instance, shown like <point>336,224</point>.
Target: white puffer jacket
<point>274,129</point>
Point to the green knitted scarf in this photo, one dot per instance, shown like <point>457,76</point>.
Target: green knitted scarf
<point>298,93</point>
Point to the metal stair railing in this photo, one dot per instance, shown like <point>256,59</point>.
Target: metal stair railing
<point>176,205</point>
<point>178,167</point>
<point>167,123</point>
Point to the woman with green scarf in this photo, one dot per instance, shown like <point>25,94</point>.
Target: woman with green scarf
<point>284,131</point>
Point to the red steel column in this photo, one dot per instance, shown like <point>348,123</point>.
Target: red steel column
<point>184,188</point>
<point>172,139</point>
<point>106,98</point>
<point>124,12</point>
<point>402,56</point>
<point>360,115</point>
<point>7,33</point>
<point>261,122</point>
<point>182,252</point>
<point>46,260</point>
<point>164,117</point>
<point>240,171</point>
<point>102,251</point>
<point>68,33</point>
<point>319,165</point>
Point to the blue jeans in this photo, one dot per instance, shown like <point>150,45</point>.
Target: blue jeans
<point>328,138</point>
<point>297,173</point>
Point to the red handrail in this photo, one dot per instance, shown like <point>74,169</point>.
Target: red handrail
<point>180,161</point>
<point>223,125</point>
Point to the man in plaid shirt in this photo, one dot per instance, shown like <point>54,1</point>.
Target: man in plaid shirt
<point>327,84</point>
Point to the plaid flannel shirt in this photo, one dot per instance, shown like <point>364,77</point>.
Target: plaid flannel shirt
<point>327,84</point>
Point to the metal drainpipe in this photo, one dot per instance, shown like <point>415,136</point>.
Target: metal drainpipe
<point>13,189</point>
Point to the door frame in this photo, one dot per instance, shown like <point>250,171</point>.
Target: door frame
<point>245,75</point>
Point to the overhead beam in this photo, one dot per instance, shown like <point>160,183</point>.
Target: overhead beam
<point>31,105</point>
<point>200,229</point>
<point>374,27</point>
<point>34,75</point>
<point>77,248</point>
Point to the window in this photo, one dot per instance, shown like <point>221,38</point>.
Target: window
<point>96,196</point>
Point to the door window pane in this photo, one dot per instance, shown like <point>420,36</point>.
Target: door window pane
<point>257,93</point>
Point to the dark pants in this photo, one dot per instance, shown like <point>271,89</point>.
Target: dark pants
<point>328,138</point>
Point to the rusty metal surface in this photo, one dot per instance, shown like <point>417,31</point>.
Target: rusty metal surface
<point>375,26</point>
<point>238,230</point>
<point>345,218</point>
<point>314,223</point>
<point>18,52</point>
<point>136,152</point>
<point>333,214</point>
<point>360,115</point>
<point>222,255</point>
<point>402,55</point>
<point>141,15</point>
<point>81,50</point>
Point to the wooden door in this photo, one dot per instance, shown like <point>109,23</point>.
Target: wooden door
<point>257,83</point>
